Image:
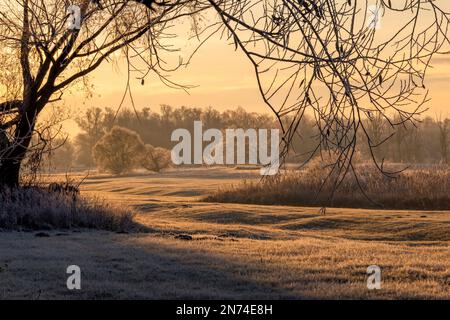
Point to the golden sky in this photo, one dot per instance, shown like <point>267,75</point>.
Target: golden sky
<point>224,79</point>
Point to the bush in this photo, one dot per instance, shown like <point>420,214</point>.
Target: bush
<point>118,151</point>
<point>155,158</point>
<point>36,208</point>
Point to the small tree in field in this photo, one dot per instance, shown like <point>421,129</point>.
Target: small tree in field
<point>155,158</point>
<point>118,151</point>
<point>444,137</point>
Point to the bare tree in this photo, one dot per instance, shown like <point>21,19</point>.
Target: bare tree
<point>444,136</point>
<point>326,57</point>
<point>92,123</point>
<point>329,58</point>
<point>46,57</point>
<point>376,128</point>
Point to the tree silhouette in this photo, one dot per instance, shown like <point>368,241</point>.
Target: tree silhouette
<point>44,57</point>
<point>324,56</point>
<point>330,59</point>
<point>444,137</point>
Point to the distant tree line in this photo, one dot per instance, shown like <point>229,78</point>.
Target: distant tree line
<point>427,142</point>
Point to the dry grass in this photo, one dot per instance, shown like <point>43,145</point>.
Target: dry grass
<point>237,251</point>
<point>37,209</point>
<point>417,189</point>
<point>157,267</point>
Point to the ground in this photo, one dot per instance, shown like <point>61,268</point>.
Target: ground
<point>236,251</point>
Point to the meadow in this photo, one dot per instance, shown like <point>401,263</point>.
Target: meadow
<point>189,248</point>
<point>410,188</point>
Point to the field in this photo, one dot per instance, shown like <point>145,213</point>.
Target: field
<point>192,249</point>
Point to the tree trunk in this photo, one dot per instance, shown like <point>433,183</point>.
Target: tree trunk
<point>10,166</point>
<point>9,173</point>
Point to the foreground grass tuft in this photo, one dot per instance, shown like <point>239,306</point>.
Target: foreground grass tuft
<point>37,208</point>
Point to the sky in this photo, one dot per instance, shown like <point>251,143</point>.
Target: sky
<point>223,78</point>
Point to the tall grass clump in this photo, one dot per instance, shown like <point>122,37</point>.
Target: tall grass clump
<point>38,208</point>
<point>420,188</point>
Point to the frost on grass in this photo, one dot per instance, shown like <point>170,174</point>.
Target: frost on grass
<point>36,208</point>
<point>419,189</point>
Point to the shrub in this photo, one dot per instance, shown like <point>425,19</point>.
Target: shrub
<point>118,151</point>
<point>155,158</point>
<point>36,208</point>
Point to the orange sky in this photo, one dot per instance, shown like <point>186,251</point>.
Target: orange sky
<point>225,79</point>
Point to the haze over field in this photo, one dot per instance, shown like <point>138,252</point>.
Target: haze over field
<point>212,73</point>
